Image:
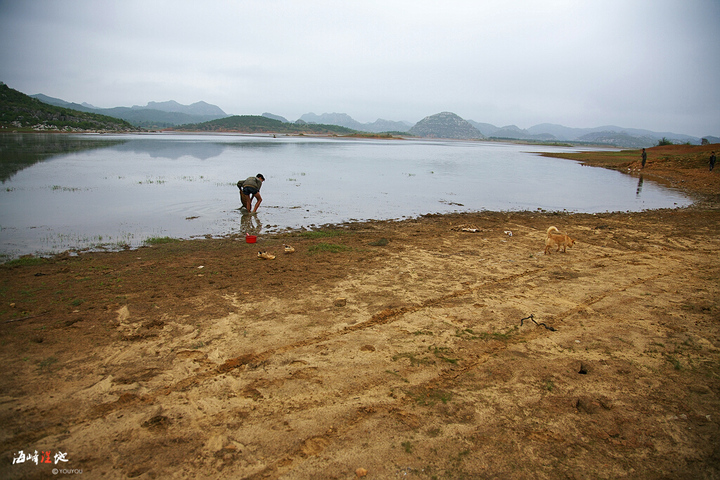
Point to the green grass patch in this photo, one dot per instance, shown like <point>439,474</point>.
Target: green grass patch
<point>321,234</point>
<point>160,240</point>
<point>441,353</point>
<point>328,248</point>
<point>422,332</point>
<point>25,262</point>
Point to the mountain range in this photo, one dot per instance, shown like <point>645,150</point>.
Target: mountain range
<point>345,120</point>
<point>153,115</point>
<point>442,125</point>
<point>544,132</point>
<point>549,131</point>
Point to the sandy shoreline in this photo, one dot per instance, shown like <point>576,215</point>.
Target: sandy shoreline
<point>402,348</point>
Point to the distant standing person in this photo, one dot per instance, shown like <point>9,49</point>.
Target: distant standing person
<point>644,158</point>
<point>249,190</point>
<point>712,161</point>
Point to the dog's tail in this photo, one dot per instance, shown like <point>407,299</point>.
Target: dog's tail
<point>552,229</point>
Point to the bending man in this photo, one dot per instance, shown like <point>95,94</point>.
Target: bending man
<point>249,190</point>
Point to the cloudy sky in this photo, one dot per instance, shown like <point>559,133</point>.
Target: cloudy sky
<point>650,64</point>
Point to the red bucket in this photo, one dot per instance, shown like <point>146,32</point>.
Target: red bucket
<point>250,238</point>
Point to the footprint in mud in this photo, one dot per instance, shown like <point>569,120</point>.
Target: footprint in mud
<point>313,446</point>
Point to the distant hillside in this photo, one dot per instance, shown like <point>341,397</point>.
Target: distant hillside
<point>345,120</point>
<point>261,124</point>
<point>511,132</point>
<point>152,119</point>
<point>486,129</point>
<point>445,125</point>
<point>20,111</point>
<point>84,107</point>
<point>342,119</point>
<point>568,133</point>
<point>154,115</point>
<point>381,125</point>
<point>198,108</point>
<point>275,117</point>
<point>608,134</point>
<point>622,139</point>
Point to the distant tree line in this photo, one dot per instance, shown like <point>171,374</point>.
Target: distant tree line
<point>260,124</point>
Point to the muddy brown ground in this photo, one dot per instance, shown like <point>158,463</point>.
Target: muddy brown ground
<point>402,348</point>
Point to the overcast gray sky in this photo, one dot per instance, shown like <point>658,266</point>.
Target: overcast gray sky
<point>651,64</point>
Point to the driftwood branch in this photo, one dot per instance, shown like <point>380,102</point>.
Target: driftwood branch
<point>532,317</point>
<point>24,318</point>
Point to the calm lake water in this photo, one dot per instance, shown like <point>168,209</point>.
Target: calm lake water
<point>79,191</point>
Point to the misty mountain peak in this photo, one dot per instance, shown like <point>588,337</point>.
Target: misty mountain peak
<point>345,120</point>
<point>445,125</point>
<point>512,128</point>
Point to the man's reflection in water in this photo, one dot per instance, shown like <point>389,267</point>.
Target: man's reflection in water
<point>250,223</point>
<point>639,187</point>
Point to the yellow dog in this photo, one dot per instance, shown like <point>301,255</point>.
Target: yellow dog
<point>560,239</point>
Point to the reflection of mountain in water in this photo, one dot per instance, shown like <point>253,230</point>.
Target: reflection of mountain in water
<point>172,149</point>
<point>19,151</point>
<point>175,149</point>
